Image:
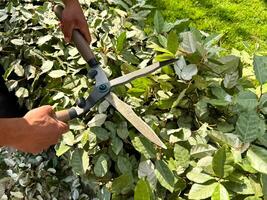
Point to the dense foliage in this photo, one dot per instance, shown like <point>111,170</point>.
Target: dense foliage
<point>208,109</point>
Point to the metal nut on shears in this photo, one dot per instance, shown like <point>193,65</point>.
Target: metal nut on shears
<point>81,102</point>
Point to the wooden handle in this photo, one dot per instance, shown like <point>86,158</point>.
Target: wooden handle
<point>79,41</point>
<point>63,115</point>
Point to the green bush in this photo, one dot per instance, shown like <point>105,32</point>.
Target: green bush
<point>210,115</point>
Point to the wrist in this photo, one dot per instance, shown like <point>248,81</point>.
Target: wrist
<point>13,130</point>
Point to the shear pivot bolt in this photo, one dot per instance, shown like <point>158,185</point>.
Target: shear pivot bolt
<point>92,73</point>
<point>80,102</point>
<point>103,88</point>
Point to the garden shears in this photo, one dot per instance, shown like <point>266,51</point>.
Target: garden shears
<point>102,88</point>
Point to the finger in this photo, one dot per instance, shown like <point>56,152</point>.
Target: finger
<point>67,29</point>
<point>86,33</point>
<point>63,127</point>
<point>47,109</point>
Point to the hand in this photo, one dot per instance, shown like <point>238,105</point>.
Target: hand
<point>38,130</point>
<point>73,18</point>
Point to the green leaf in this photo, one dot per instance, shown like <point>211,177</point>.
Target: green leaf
<point>263,104</point>
<point>257,157</point>
<point>145,147</point>
<point>79,161</point>
<point>172,42</point>
<point>124,165</point>
<point>146,169</point>
<point>142,191</point>
<point>122,184</point>
<point>247,100</point>
<point>17,42</point>
<point>197,176</point>
<point>260,68</point>
<point>47,66</point>
<point>57,73</point>
<point>43,40</point>
<point>122,130</point>
<point>100,133</point>
<point>130,57</point>
<point>250,126</point>
<point>184,71</point>
<point>223,162</point>
<point>22,92</point>
<point>220,193</point>
<point>181,155</point>
<point>264,185</point>
<point>120,41</point>
<point>68,138</point>
<point>116,145</point>
<point>199,191</point>
<point>97,120</point>
<point>158,22</point>
<point>189,43</point>
<point>164,175</point>
<point>62,149</point>
<point>101,166</point>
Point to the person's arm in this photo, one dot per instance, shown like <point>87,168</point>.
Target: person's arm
<point>34,132</point>
<point>73,18</point>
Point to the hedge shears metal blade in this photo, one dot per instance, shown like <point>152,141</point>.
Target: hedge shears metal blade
<point>102,88</point>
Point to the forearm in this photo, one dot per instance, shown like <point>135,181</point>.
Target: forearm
<point>9,127</point>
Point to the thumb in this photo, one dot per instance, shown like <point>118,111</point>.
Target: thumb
<point>63,127</point>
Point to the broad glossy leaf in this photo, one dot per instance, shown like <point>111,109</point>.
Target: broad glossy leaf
<point>100,133</point>
<point>62,149</point>
<point>230,80</point>
<point>264,184</point>
<point>250,126</point>
<point>57,73</point>
<point>44,39</point>
<point>260,68</point>
<point>189,43</point>
<point>146,169</point>
<point>68,138</point>
<point>101,166</point>
<point>145,147</point>
<point>158,22</point>
<point>122,184</point>
<point>202,150</point>
<point>120,41</point>
<point>199,191</point>
<point>97,120</point>
<point>124,164</point>
<point>247,100</point>
<point>142,191</point>
<point>164,175</point>
<point>172,42</point>
<point>79,161</point>
<point>184,71</point>
<point>181,155</point>
<point>257,157</point>
<point>263,104</point>
<point>22,92</point>
<point>122,130</point>
<point>223,162</point>
<point>116,145</point>
<point>17,42</point>
<point>47,66</point>
<point>196,175</point>
<point>220,193</point>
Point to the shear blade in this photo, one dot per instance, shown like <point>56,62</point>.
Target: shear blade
<point>132,117</point>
